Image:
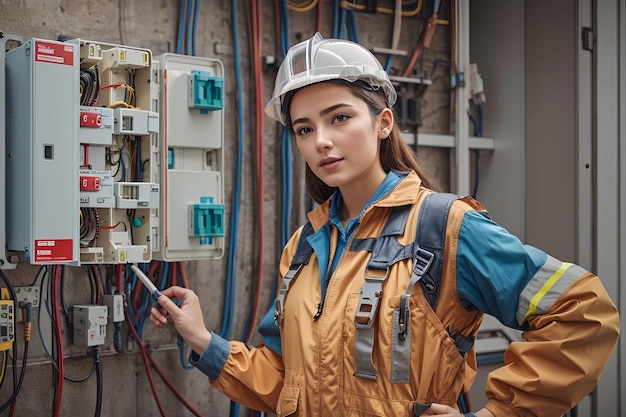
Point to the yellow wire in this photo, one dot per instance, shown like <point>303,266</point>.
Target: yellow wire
<point>4,365</point>
<point>386,10</point>
<point>122,103</point>
<point>300,7</point>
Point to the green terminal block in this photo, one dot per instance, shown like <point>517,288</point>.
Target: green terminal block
<point>206,220</point>
<point>206,91</point>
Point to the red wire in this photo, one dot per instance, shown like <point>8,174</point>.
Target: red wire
<point>319,16</point>
<point>96,279</point>
<point>427,35</point>
<point>147,357</point>
<point>146,365</point>
<point>258,76</point>
<point>183,275</point>
<point>56,282</point>
<point>120,270</point>
<point>174,274</point>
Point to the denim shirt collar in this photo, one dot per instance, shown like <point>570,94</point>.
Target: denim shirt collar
<point>391,180</point>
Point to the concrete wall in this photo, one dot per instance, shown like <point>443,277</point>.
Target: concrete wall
<point>153,25</point>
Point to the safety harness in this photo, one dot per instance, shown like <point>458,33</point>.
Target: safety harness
<point>427,253</point>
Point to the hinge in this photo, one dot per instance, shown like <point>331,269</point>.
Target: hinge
<point>587,39</point>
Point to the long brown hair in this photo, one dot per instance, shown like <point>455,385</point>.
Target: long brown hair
<point>395,154</point>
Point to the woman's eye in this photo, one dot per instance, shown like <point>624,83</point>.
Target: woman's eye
<point>341,118</point>
<point>302,131</point>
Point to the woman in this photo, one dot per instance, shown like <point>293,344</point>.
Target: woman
<point>348,338</point>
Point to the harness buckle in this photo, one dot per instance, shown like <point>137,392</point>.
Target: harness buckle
<point>422,261</point>
<point>370,297</point>
<point>403,317</point>
<point>278,313</point>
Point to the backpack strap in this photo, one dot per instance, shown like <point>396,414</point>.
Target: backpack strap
<point>302,256</point>
<point>427,265</point>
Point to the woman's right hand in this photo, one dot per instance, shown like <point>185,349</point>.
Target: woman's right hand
<point>186,316</point>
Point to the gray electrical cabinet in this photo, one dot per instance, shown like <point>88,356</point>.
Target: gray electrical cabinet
<point>41,152</point>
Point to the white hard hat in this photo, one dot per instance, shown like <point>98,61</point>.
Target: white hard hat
<point>318,59</point>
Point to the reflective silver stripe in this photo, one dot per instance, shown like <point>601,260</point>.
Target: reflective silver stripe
<point>364,345</point>
<point>363,321</point>
<point>545,287</point>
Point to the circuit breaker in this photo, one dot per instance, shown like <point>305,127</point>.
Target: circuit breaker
<point>118,153</point>
<point>42,93</point>
<point>191,166</point>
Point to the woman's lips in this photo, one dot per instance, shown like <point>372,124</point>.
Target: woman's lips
<point>330,163</point>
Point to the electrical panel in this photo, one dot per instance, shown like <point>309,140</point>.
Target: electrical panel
<point>191,174</point>
<point>117,152</point>
<point>41,159</point>
<point>113,156</point>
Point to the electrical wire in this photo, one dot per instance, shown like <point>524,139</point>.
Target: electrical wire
<point>182,19</point>
<point>395,36</point>
<point>17,382</point>
<point>149,361</point>
<point>196,16</point>
<point>424,40</point>
<point>231,268</point>
<point>302,7</point>
<point>56,284</point>
<point>256,18</point>
<point>382,9</point>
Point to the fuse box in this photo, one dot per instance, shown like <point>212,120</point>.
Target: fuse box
<point>41,151</point>
<point>191,166</point>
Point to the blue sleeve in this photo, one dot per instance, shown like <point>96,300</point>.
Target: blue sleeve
<point>270,332</point>
<point>213,358</point>
<point>493,267</point>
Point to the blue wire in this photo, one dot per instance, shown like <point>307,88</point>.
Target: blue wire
<point>336,22</point>
<point>181,26</point>
<point>285,27</point>
<point>194,52</point>
<point>474,124</point>
<point>234,409</point>
<point>480,120</point>
<point>342,23</point>
<point>190,11</point>
<point>353,33</point>
<point>231,270</point>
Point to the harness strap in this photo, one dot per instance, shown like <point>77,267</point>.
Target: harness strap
<point>302,256</point>
<point>427,264</point>
<point>385,251</point>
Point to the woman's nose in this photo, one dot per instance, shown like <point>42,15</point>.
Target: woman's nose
<point>322,139</point>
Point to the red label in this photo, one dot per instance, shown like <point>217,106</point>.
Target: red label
<point>54,53</point>
<point>90,183</point>
<point>89,119</point>
<point>56,250</point>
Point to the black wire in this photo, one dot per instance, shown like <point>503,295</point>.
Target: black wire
<point>54,319</point>
<point>3,365</point>
<point>19,382</point>
<point>13,296</point>
<point>99,381</point>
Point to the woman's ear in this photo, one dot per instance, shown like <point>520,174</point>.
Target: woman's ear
<point>385,123</point>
